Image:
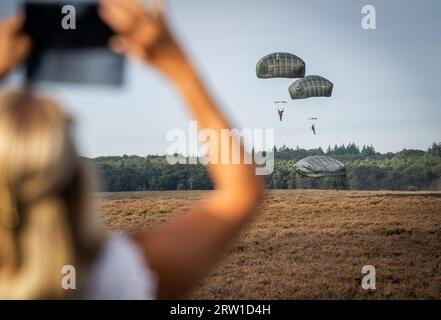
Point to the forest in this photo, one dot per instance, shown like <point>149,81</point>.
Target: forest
<point>407,170</point>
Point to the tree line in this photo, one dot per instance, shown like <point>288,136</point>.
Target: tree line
<point>367,169</point>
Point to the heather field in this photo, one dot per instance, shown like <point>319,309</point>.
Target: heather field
<point>311,244</point>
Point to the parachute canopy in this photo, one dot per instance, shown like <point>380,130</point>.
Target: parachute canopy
<point>311,86</point>
<point>320,166</point>
<point>280,65</point>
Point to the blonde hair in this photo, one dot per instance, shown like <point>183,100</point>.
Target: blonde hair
<point>45,206</point>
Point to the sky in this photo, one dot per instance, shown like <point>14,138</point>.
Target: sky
<point>387,83</point>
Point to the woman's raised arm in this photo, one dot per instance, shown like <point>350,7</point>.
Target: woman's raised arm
<point>183,250</point>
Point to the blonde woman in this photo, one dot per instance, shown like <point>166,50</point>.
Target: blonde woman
<point>46,211</point>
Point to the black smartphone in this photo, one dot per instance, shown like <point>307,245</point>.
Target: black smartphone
<point>70,44</point>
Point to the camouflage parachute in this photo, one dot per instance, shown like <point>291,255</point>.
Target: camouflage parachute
<point>320,166</point>
<point>280,65</point>
<point>311,86</point>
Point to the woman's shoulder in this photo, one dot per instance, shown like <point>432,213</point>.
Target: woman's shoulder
<point>120,272</point>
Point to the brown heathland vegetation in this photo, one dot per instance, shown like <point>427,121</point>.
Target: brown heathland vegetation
<point>310,244</point>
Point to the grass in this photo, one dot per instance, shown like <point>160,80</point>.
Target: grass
<point>311,244</point>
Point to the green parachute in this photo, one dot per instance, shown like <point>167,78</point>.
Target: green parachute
<point>320,166</point>
<point>280,65</point>
<point>311,86</point>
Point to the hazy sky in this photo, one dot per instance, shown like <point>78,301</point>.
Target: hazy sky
<point>387,82</point>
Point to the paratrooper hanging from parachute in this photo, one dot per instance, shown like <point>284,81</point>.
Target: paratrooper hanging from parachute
<point>309,87</point>
<point>280,65</point>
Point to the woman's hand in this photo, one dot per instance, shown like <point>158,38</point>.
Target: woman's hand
<point>14,46</point>
<point>142,32</point>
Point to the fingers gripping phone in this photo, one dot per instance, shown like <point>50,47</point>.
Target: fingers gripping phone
<point>70,44</point>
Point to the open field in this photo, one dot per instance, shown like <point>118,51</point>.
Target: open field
<point>311,244</point>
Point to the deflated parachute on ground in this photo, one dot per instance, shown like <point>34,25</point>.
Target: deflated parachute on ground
<point>320,166</point>
<point>311,86</point>
<point>280,65</point>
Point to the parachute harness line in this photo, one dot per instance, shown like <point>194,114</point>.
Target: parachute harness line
<point>280,111</point>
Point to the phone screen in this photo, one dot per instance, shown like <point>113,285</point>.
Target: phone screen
<point>70,44</point>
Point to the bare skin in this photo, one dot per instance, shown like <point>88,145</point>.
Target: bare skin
<point>182,251</point>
